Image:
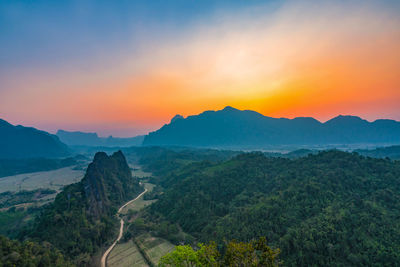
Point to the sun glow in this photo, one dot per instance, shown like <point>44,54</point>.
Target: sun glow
<point>302,60</point>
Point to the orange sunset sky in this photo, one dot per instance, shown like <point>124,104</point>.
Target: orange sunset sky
<point>127,70</point>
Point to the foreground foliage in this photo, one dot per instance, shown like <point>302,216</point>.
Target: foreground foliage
<point>14,220</point>
<point>253,253</point>
<point>14,253</point>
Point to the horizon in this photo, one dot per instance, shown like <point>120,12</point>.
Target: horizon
<point>126,68</point>
<point>185,117</point>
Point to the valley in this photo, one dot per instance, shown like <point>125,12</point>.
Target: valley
<point>185,196</point>
<point>55,180</point>
<point>121,229</point>
<point>139,203</point>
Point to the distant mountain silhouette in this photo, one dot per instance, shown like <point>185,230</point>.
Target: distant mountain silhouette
<point>26,142</point>
<point>92,139</point>
<point>231,127</point>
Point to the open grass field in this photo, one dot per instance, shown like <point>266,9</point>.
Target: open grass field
<point>140,203</point>
<point>154,247</point>
<point>125,254</point>
<point>54,179</point>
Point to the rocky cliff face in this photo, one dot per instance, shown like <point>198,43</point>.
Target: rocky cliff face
<point>81,219</point>
<point>108,183</point>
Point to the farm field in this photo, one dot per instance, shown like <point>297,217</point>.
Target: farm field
<point>54,179</point>
<point>125,254</point>
<point>154,247</point>
<point>140,203</point>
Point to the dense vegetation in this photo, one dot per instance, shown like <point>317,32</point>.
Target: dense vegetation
<point>328,208</point>
<point>392,152</point>
<point>14,253</point>
<point>18,209</point>
<point>162,160</point>
<point>332,208</point>
<point>16,166</point>
<point>14,219</point>
<point>81,218</point>
<point>251,254</point>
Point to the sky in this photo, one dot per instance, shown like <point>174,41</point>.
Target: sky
<point>126,67</point>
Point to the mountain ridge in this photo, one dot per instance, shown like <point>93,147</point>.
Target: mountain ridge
<point>234,127</point>
<point>78,138</point>
<point>28,142</point>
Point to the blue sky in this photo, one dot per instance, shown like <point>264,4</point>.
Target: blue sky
<point>54,32</point>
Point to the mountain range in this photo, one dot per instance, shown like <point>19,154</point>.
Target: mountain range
<point>92,139</point>
<point>231,127</point>
<point>26,142</point>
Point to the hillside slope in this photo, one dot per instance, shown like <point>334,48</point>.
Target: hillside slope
<point>392,152</point>
<point>329,209</point>
<point>25,142</point>
<point>14,253</point>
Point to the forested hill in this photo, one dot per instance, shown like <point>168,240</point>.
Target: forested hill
<point>80,219</point>
<point>235,128</point>
<point>25,142</point>
<point>392,152</point>
<point>329,209</point>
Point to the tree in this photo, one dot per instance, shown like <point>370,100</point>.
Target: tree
<point>182,256</point>
<point>253,253</point>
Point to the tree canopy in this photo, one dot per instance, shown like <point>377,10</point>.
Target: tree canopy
<point>331,208</point>
<point>253,253</point>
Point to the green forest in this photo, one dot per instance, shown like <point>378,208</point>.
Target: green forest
<point>221,208</point>
<point>327,209</point>
<point>14,253</point>
<point>252,254</point>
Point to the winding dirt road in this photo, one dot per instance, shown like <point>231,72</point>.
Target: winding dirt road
<point>121,230</point>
